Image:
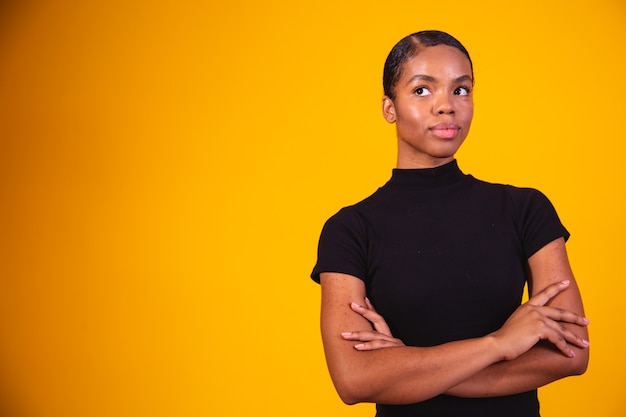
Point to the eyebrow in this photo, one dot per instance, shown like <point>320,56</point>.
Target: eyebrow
<point>431,79</point>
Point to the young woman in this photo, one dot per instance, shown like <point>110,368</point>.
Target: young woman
<point>444,257</point>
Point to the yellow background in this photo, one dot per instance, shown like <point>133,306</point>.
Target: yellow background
<point>166,168</point>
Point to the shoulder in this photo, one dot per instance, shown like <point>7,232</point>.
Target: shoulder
<point>519,196</point>
<point>359,212</point>
<point>524,193</point>
<point>527,199</point>
<point>347,217</point>
<point>343,245</point>
<point>536,217</point>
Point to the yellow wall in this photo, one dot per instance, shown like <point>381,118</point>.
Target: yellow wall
<point>165,170</point>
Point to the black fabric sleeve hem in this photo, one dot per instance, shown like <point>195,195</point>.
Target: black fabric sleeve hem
<point>537,220</point>
<point>343,246</point>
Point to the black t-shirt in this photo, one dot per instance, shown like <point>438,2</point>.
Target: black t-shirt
<point>443,257</point>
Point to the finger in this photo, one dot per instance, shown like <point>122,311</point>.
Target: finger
<point>565,316</point>
<point>567,335</point>
<point>366,336</point>
<point>559,341</point>
<point>378,344</point>
<point>545,295</point>
<point>573,339</point>
<point>373,317</point>
<point>380,325</point>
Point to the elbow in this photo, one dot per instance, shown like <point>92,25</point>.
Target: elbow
<point>350,395</point>
<point>581,363</point>
<point>578,365</point>
<point>348,398</point>
<point>352,391</point>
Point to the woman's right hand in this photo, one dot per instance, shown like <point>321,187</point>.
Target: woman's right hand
<point>534,321</point>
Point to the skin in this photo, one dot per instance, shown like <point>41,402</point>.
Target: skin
<point>434,91</point>
<point>544,340</point>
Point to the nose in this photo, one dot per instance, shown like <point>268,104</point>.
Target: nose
<point>443,105</point>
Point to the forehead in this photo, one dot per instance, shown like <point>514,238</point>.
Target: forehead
<point>440,61</point>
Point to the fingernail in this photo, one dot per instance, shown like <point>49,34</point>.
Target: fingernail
<point>344,334</point>
<point>359,346</point>
<point>585,320</point>
<point>586,342</point>
<point>566,282</point>
<point>356,305</point>
<point>572,354</point>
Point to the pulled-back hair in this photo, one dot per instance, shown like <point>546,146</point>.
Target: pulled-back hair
<point>409,47</point>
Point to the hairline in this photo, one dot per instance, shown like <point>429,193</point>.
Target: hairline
<point>411,50</point>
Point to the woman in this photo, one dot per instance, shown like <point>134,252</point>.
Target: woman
<point>444,258</point>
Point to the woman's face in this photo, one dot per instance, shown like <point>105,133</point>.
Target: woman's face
<point>433,107</point>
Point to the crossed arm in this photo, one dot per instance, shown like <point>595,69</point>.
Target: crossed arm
<point>543,340</point>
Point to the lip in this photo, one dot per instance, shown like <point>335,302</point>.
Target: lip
<point>445,130</point>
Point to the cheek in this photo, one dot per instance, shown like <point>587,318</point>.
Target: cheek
<point>412,115</point>
<point>468,113</point>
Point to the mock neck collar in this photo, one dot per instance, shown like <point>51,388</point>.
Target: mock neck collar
<point>448,173</point>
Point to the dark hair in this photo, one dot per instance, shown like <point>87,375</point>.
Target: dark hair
<point>409,47</point>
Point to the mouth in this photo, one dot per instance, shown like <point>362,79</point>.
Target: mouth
<point>445,130</point>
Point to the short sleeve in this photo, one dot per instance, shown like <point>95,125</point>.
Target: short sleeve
<point>342,246</point>
<point>536,218</point>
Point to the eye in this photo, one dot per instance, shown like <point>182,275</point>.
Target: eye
<point>421,91</point>
<point>462,91</point>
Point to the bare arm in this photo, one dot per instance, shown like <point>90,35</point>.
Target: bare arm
<point>403,375</point>
<point>542,364</point>
<point>395,375</point>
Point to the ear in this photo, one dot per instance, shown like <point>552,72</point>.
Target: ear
<point>389,110</point>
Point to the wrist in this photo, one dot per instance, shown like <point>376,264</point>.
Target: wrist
<point>495,347</point>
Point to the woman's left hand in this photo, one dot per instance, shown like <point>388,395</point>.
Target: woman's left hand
<point>379,337</point>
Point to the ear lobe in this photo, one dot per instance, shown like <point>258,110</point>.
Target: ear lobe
<point>389,110</point>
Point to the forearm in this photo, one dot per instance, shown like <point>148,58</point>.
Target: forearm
<point>539,366</point>
<point>396,375</point>
<point>404,375</point>
<point>542,364</point>
<point>365,369</point>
